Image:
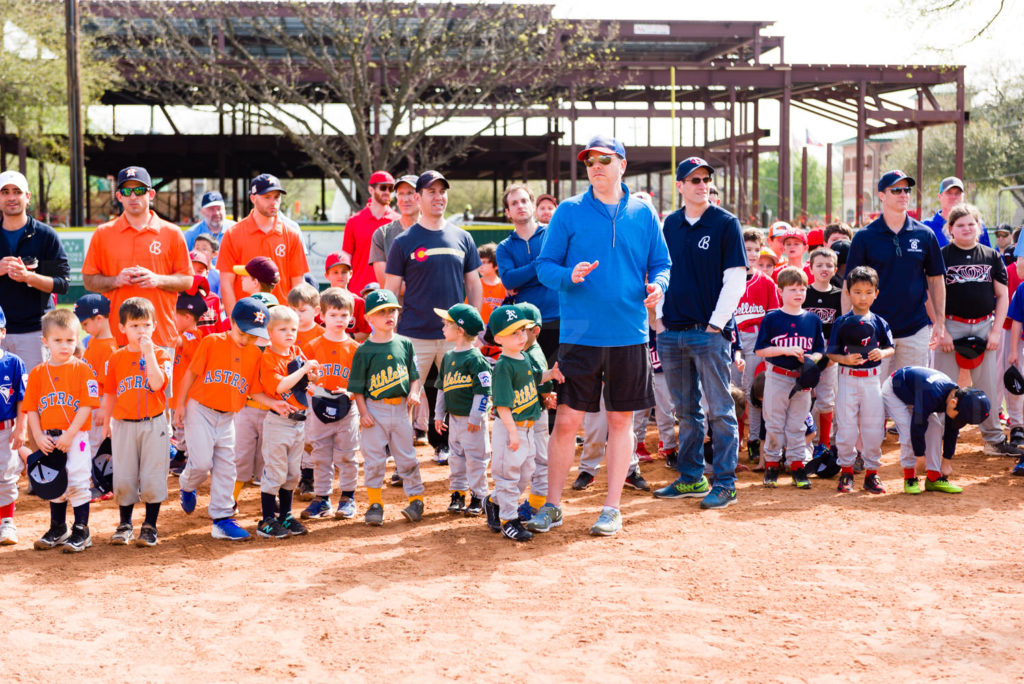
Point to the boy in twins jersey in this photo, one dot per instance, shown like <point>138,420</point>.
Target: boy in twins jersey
<point>787,337</point>
<point>760,297</point>
<point>824,300</point>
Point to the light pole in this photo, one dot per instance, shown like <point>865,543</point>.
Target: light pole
<point>76,162</point>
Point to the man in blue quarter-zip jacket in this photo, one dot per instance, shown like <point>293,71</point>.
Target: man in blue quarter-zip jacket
<point>605,255</point>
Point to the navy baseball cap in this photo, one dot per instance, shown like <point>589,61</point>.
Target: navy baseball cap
<point>194,304</point>
<point>602,143</point>
<point>972,408</point>
<point>950,182</point>
<point>251,317</point>
<point>893,177</point>
<point>48,473</point>
<point>428,177</point>
<point>212,198</point>
<point>409,179</point>
<point>688,166</point>
<point>134,173</point>
<point>90,305</point>
<point>264,183</point>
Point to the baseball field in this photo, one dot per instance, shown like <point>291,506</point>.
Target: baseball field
<point>787,586</point>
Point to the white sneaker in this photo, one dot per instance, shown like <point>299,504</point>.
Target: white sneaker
<point>8,532</point>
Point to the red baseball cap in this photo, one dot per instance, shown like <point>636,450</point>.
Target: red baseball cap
<point>816,237</point>
<point>381,177</point>
<point>337,258</point>
<point>201,257</point>
<point>792,232</point>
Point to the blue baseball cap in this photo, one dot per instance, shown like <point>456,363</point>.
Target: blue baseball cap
<point>893,177</point>
<point>429,177</point>
<point>688,166</point>
<point>264,183</point>
<point>602,143</point>
<point>90,305</point>
<point>212,198</point>
<point>134,173</point>
<point>251,317</point>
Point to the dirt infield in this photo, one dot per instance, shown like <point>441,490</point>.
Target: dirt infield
<point>787,585</point>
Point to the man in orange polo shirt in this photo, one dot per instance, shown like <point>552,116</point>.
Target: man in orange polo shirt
<point>261,233</point>
<point>361,226</point>
<point>139,255</point>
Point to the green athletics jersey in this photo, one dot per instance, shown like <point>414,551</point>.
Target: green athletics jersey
<point>383,370</point>
<point>540,366</point>
<point>463,374</point>
<point>514,385</point>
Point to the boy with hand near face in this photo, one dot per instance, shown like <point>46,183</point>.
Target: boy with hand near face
<point>338,270</point>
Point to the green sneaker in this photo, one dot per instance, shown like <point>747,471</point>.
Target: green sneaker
<point>942,485</point>
<point>544,519</point>
<point>911,486</point>
<point>609,522</point>
<point>684,490</point>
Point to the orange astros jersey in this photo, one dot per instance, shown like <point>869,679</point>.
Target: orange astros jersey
<point>273,369</point>
<point>126,380</point>
<point>307,336</point>
<point>57,392</point>
<point>96,355</point>
<point>188,343</point>
<point>335,359</point>
<point>225,373</point>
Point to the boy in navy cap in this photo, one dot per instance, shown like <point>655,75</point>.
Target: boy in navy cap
<point>925,404</point>
<point>93,311</point>
<point>12,429</point>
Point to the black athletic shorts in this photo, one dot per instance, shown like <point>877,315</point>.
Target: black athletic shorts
<point>624,371</point>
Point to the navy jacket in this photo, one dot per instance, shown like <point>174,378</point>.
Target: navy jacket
<point>24,306</point>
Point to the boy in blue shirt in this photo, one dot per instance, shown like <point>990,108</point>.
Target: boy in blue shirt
<point>12,430</point>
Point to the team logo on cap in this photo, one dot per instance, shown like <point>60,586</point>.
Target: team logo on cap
<point>258,317</point>
<point>694,160</point>
<point>154,247</point>
<point>279,250</point>
<point>130,173</point>
<point>898,173</point>
<point>511,315</point>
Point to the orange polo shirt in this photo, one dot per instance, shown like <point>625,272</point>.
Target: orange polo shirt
<point>57,392</point>
<point>281,244</point>
<point>335,359</point>
<point>160,247</point>
<point>273,369</point>
<point>126,379</point>
<point>225,373</point>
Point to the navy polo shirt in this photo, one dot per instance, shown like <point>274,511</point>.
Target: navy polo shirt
<point>700,254</point>
<point>903,274</point>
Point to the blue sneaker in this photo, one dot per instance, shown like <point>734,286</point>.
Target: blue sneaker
<point>820,450</point>
<point>346,509</point>
<point>188,501</point>
<point>720,497</point>
<point>526,511</point>
<point>545,518</point>
<point>1019,468</point>
<point>680,489</point>
<point>319,507</point>
<point>228,529</point>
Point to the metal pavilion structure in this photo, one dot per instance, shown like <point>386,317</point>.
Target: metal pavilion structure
<point>715,82</point>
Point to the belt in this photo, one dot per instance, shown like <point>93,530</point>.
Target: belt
<point>297,416</point>
<point>858,372</point>
<point>141,420</point>
<point>4,424</point>
<point>252,403</point>
<point>686,326</point>
<point>525,423</point>
<point>54,433</point>
<point>215,410</point>
<point>390,400</point>
<point>783,371</point>
<point>969,321</point>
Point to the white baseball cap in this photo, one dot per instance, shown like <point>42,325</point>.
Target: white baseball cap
<point>14,178</point>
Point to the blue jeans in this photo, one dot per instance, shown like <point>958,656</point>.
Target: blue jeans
<point>693,360</point>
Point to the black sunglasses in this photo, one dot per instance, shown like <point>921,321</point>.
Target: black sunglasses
<point>603,160</point>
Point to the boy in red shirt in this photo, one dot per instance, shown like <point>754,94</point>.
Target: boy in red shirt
<point>338,271</point>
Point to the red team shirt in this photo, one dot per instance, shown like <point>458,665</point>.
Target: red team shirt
<point>760,297</point>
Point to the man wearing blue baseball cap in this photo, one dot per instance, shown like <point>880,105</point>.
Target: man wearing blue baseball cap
<point>605,256</point>
<point>211,208</point>
<point>911,273</point>
<point>33,266</point>
<point>709,275</point>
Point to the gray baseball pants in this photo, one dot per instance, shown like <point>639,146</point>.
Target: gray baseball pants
<point>391,428</point>
<point>901,415</point>
<point>248,442</point>
<point>334,446</point>
<point>784,418</point>
<point>468,456</point>
<point>859,400</point>
<point>212,436</point>
<point>511,470</point>
<point>284,442</point>
<point>987,376</point>
<point>139,453</point>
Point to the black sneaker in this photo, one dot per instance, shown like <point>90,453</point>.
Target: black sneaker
<point>671,459</point>
<point>1017,436</point>
<point>271,528</point>
<point>583,480</point>
<point>458,503</point>
<point>79,540</point>
<point>304,490</point>
<point>800,479</point>
<point>474,507</point>
<point>754,450</point>
<point>771,476</point>
<point>147,536</point>
<point>294,527</point>
<point>637,481</point>
<point>515,531</point>
<point>493,519</point>
<point>873,484</point>
<point>396,479</point>
<point>845,483</point>
<point>54,537</point>
<point>177,465</point>
<point>419,438</point>
<point>414,511</point>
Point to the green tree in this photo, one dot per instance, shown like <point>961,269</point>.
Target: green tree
<point>768,173</point>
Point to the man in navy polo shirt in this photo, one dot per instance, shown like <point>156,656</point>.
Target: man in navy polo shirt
<point>951,193</point>
<point>605,256</point>
<point>709,275</point>
<point>906,255</point>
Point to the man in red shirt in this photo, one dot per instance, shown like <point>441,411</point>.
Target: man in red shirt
<point>362,225</point>
<point>261,233</point>
<point>139,255</point>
